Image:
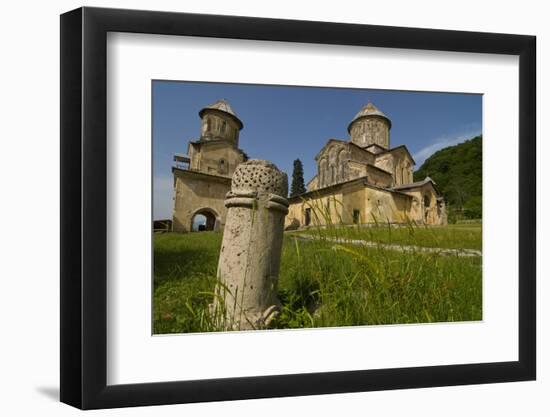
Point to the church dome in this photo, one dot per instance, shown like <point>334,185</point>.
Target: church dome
<point>368,111</point>
<point>224,107</point>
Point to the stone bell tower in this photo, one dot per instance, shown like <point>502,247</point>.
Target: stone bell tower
<point>219,122</point>
<point>370,129</point>
<point>217,150</point>
<point>202,177</point>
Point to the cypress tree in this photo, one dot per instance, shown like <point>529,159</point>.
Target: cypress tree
<point>297,187</point>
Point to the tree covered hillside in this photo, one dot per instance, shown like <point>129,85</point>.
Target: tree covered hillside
<point>457,173</point>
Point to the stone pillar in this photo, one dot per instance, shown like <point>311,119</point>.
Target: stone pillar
<point>248,269</point>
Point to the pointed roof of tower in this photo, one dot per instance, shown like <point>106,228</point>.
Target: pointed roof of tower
<point>223,106</point>
<point>367,111</point>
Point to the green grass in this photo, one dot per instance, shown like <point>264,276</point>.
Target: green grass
<point>184,274</point>
<point>456,236</point>
<point>325,284</point>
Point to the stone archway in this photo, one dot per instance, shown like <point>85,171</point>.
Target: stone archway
<point>205,219</point>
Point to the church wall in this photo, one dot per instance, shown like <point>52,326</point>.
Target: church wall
<point>359,155</point>
<point>399,164</point>
<point>323,171</point>
<point>403,172</point>
<point>313,184</point>
<point>322,209</point>
<point>217,125</point>
<point>194,156</point>
<point>356,170</point>
<point>332,165</point>
<point>370,130</point>
<point>340,162</point>
<point>216,159</point>
<point>416,214</point>
<point>354,199</point>
<point>372,205</point>
<point>295,214</point>
<point>384,206</point>
<point>417,211</point>
<point>191,193</point>
<point>386,162</point>
<point>377,177</point>
<point>431,213</point>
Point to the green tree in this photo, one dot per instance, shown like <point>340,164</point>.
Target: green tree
<point>457,171</point>
<point>297,187</point>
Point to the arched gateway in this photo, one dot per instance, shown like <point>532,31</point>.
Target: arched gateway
<point>205,219</point>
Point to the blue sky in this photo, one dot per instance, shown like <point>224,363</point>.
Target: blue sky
<point>282,123</point>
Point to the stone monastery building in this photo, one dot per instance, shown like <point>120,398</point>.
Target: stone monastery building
<point>360,180</point>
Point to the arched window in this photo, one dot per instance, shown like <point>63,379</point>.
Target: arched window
<point>427,201</point>
<point>342,160</point>
<point>323,172</point>
<point>224,126</point>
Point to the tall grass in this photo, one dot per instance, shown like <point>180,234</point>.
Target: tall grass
<point>184,275</point>
<point>321,283</point>
<point>449,237</point>
<point>327,284</point>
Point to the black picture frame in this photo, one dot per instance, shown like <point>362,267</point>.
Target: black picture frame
<point>84,207</point>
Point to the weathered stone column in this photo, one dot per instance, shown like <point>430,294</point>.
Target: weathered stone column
<point>248,269</point>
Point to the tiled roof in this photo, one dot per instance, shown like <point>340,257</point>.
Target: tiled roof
<point>415,184</point>
<point>396,148</point>
<point>222,105</point>
<point>369,110</point>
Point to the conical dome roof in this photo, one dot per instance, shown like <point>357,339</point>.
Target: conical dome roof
<point>223,106</point>
<point>369,110</point>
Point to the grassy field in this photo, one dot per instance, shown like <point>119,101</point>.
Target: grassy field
<point>325,284</point>
<point>456,236</point>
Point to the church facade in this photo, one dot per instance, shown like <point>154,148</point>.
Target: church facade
<point>360,180</point>
<point>365,180</point>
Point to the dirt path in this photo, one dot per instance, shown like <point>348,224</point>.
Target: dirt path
<point>399,248</point>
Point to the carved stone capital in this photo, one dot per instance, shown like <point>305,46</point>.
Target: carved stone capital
<point>259,176</point>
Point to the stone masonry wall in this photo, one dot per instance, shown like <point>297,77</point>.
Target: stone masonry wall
<point>195,192</point>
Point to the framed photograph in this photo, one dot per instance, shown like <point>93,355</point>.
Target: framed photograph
<point>257,208</point>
